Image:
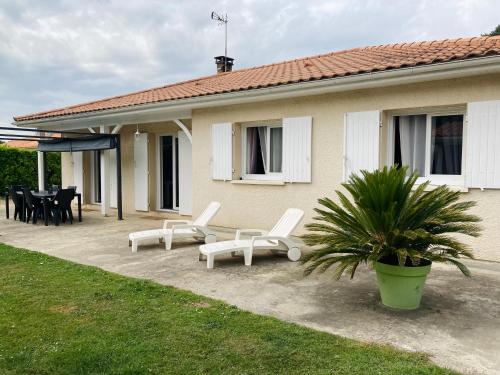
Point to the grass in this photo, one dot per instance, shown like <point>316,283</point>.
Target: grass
<point>57,317</point>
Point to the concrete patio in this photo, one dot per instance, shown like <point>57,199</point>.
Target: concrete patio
<point>458,324</point>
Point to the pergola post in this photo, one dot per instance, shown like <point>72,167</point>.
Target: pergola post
<point>105,177</point>
<point>41,170</point>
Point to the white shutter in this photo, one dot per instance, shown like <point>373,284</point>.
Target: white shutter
<point>78,172</point>
<point>297,149</point>
<point>113,197</point>
<point>185,174</point>
<point>361,142</point>
<point>141,172</point>
<point>222,151</point>
<point>483,140</point>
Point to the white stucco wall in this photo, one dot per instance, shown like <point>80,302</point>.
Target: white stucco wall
<point>260,206</point>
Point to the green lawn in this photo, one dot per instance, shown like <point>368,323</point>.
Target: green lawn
<point>58,317</point>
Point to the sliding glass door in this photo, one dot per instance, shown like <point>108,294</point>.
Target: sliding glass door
<point>168,179</point>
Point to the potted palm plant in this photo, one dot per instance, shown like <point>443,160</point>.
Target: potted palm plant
<point>395,226</point>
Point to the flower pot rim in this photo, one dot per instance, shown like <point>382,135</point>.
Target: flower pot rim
<point>403,271</point>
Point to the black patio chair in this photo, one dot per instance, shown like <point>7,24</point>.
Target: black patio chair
<point>18,202</point>
<point>34,206</point>
<point>61,206</point>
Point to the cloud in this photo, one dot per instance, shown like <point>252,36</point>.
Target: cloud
<point>57,53</point>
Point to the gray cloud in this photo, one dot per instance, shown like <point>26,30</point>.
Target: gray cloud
<point>57,53</point>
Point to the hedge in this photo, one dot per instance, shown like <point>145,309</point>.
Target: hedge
<point>19,167</point>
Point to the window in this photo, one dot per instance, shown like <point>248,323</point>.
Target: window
<point>431,146</point>
<point>262,152</point>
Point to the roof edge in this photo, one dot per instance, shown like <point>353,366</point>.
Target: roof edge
<point>422,73</point>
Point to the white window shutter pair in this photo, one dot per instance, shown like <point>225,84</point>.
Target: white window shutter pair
<point>296,150</point>
<point>483,145</point>
<point>361,142</point>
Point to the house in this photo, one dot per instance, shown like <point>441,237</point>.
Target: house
<point>263,139</point>
<point>22,144</point>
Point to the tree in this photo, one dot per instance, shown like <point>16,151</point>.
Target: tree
<point>494,32</point>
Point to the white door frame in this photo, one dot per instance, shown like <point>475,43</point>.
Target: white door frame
<point>185,153</point>
<point>159,190</point>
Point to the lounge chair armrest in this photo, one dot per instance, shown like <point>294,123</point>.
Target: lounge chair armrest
<point>166,223</point>
<point>239,232</point>
<point>285,240</point>
<point>188,226</point>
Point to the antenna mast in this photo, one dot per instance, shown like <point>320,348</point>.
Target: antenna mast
<point>222,20</point>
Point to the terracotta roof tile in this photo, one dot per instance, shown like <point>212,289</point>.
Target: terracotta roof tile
<point>22,144</point>
<point>331,65</point>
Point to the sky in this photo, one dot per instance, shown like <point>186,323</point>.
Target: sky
<point>55,53</point>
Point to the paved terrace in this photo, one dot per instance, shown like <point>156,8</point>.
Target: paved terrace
<point>458,324</point>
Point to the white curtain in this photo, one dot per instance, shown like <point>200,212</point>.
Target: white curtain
<point>412,137</point>
<point>263,145</point>
<point>252,157</point>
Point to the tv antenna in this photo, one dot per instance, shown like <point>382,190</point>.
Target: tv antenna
<point>222,20</point>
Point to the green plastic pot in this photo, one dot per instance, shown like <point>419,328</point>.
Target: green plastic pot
<point>401,287</point>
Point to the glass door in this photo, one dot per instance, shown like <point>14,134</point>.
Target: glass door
<point>169,173</point>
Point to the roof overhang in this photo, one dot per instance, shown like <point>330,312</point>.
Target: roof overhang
<point>182,108</point>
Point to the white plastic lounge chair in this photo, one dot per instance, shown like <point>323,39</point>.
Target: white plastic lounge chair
<point>277,240</point>
<point>178,228</point>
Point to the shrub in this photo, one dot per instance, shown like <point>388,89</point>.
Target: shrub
<point>19,167</point>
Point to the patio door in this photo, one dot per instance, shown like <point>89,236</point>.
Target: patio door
<point>168,176</point>
<point>96,175</point>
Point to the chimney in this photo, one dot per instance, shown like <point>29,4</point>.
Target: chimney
<point>224,64</point>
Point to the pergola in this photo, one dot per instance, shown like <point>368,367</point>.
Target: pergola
<point>69,141</point>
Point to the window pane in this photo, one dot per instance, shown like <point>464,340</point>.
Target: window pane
<point>446,145</point>
<point>254,159</point>
<point>409,143</point>
<point>276,150</point>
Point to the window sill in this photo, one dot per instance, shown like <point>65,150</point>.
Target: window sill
<point>257,182</point>
<point>430,187</point>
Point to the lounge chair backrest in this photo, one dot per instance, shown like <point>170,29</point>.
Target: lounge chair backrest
<point>285,226</point>
<point>207,215</point>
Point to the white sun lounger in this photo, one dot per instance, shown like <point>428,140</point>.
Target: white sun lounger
<point>277,240</point>
<point>178,228</point>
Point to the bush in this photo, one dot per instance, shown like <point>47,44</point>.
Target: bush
<point>19,167</point>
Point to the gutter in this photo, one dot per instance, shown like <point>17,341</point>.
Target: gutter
<point>181,108</point>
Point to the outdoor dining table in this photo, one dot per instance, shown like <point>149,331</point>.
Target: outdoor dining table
<point>45,197</point>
